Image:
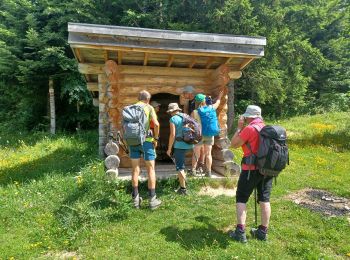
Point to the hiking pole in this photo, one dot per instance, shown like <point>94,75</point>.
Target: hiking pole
<point>255,206</point>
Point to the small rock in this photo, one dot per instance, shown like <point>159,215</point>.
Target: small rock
<point>347,208</point>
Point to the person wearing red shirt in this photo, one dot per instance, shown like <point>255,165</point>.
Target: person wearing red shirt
<point>247,137</point>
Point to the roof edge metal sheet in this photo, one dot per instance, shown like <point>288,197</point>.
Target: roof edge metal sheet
<point>83,28</point>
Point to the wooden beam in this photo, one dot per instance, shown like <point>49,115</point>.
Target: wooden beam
<point>170,60</point>
<point>228,60</point>
<point>91,68</point>
<point>145,59</point>
<point>235,74</point>
<point>131,90</point>
<point>163,51</point>
<point>105,55</point>
<point>79,57</point>
<point>94,68</point>
<point>120,57</point>
<point>193,61</point>
<point>92,86</point>
<point>221,70</point>
<point>157,79</point>
<point>245,63</point>
<point>210,61</point>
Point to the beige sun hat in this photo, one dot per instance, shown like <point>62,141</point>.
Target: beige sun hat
<point>252,111</point>
<point>155,104</point>
<point>172,107</point>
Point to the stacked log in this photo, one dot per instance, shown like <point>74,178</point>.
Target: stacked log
<point>112,160</point>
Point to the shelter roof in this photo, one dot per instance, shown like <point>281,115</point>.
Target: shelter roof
<point>92,43</point>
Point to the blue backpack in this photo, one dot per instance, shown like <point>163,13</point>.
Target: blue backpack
<point>209,120</point>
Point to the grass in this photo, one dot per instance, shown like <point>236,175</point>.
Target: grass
<point>56,203</point>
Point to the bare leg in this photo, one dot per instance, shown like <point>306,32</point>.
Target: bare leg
<point>182,178</point>
<point>196,155</point>
<point>151,174</point>
<point>135,164</point>
<point>265,213</point>
<point>241,209</point>
<point>208,158</point>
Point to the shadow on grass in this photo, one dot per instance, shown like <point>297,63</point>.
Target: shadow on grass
<point>339,140</point>
<point>62,161</point>
<point>197,237</point>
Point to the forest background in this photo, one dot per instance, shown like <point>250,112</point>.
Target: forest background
<point>305,70</point>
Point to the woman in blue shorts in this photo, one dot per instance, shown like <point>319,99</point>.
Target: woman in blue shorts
<point>180,147</point>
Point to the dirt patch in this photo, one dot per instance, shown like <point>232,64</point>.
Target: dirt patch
<point>64,255</point>
<point>214,192</point>
<point>322,202</point>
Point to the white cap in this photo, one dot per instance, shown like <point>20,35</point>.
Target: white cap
<point>252,112</point>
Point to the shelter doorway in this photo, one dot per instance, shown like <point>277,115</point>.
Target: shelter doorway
<point>163,117</point>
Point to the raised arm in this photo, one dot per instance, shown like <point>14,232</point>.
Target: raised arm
<point>217,103</point>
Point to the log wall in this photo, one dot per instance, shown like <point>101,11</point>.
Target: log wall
<point>119,86</point>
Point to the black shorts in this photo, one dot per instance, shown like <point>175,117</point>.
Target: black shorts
<point>245,187</point>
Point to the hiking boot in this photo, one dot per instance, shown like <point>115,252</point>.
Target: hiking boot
<point>208,175</point>
<point>137,201</point>
<point>259,234</point>
<point>238,235</point>
<point>154,202</point>
<point>181,191</point>
<point>191,172</point>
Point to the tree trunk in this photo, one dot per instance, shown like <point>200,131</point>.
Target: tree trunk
<point>230,104</point>
<point>52,108</point>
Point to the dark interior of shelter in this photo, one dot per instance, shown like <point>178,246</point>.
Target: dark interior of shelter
<point>163,117</point>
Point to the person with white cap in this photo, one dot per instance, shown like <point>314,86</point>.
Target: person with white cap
<point>250,178</point>
<point>180,147</point>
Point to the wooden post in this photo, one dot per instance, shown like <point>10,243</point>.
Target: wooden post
<point>230,105</point>
<point>52,107</point>
<point>103,117</point>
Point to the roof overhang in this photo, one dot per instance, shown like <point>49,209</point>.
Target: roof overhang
<point>96,44</point>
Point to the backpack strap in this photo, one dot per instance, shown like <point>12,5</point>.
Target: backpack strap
<point>252,158</point>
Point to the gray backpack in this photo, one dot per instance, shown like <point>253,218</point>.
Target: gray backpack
<point>134,124</point>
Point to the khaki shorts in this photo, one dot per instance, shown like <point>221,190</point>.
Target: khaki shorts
<point>207,140</point>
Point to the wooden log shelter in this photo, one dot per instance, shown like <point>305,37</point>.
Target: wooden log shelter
<point>118,62</point>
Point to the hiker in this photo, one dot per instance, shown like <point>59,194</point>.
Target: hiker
<point>205,115</point>
<point>147,148</point>
<point>156,107</point>
<point>180,147</point>
<point>248,138</point>
<point>189,102</point>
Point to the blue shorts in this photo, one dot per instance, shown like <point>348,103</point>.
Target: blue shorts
<point>179,155</point>
<point>147,149</point>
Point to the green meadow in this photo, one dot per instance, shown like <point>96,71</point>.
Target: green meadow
<point>55,203</point>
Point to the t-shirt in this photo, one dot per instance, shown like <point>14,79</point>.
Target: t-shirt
<point>250,135</point>
<point>177,121</point>
<point>150,113</point>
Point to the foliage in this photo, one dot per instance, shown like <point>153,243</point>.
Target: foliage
<point>306,60</point>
